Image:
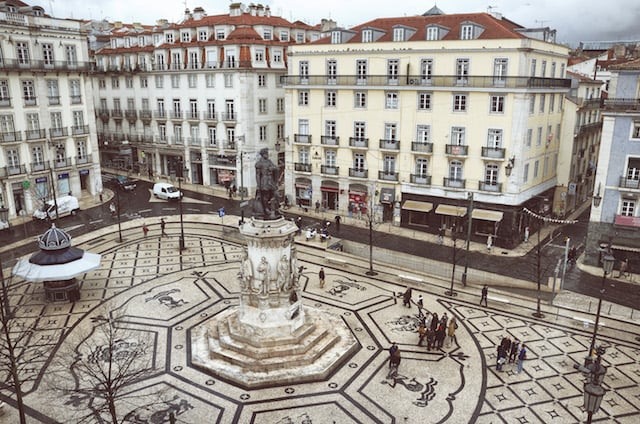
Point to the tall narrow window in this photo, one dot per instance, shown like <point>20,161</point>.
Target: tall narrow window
<point>332,71</point>
<point>426,70</point>
<point>500,71</point>
<point>392,71</point>
<point>462,71</point>
<point>304,72</point>
<point>361,71</point>
<point>22,52</point>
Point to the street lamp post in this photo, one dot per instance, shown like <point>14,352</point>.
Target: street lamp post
<point>181,170</point>
<point>538,313</point>
<point>450,292</point>
<point>593,390</point>
<point>469,225</point>
<point>607,266</point>
<point>117,190</point>
<point>370,216</point>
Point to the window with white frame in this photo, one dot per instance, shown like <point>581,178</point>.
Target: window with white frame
<point>532,103</point>
<point>47,53</point>
<point>13,158</point>
<point>635,130</point>
<point>177,108</point>
<point>102,83</point>
<point>330,128</point>
<point>262,106</point>
<point>628,207</point>
<point>543,69</point>
<point>192,80</point>
<point>210,80</point>
<point>193,108</point>
<point>466,32</point>
<point>391,100</point>
<point>455,170</point>
<point>423,133</point>
<point>53,92</point>
<point>303,98</point>
<point>280,105</point>
<point>336,37</point>
<point>211,109</point>
<point>303,69</point>
<point>220,34</point>
<point>361,71</point>
<point>303,155</point>
<point>128,81</point>
<point>359,162</point>
<point>360,98</point>
<point>433,33</point>
<point>144,82</point>
<point>168,37</point>
<point>332,71</point>
<point>159,79</point>
<point>491,174</point>
<point>280,131</point>
<point>330,158</point>
<point>33,122</point>
<point>331,97</point>
<point>399,34</point>
<point>6,124</point>
<point>175,81</point>
<point>78,118</point>
<point>162,132</point>
<point>115,83</point>
<point>529,137</point>
<point>494,138</point>
<point>284,35</point>
<point>367,36</point>
<point>177,133</point>
<point>228,80</point>
<point>552,102</point>
<point>393,66</point>
<point>497,104</point>
<point>259,55</point>
<point>500,71</point>
<point>536,165</point>
<point>22,52</point>
<point>359,130</point>
<point>389,164</point>
<point>459,102</point>
<point>542,102</point>
<point>194,60</point>
<point>457,136</point>
<point>276,56</point>
<point>539,137</point>
<point>422,167</point>
<point>231,136</point>
<point>390,131</point>
<point>203,35</point>
<point>262,80</point>
<point>426,70</point>
<point>532,72</point>
<point>211,135</point>
<point>28,92</point>
<point>262,133</point>
<point>56,120</point>
<point>424,100</point>
<point>462,71</point>
<point>267,34</point>
<point>81,149</point>
<point>185,37</point>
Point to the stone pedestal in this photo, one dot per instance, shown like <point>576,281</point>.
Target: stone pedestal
<point>271,338</point>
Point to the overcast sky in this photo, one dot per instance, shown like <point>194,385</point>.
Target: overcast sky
<point>575,20</point>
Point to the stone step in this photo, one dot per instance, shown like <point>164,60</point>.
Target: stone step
<point>236,328</point>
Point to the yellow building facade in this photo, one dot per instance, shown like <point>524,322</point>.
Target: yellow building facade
<point>408,119</point>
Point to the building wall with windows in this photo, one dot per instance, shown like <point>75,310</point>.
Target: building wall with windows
<point>426,109</point>
<point>197,98</point>
<point>614,223</point>
<point>47,125</point>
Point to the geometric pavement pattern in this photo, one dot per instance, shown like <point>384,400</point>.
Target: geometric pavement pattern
<point>163,293</point>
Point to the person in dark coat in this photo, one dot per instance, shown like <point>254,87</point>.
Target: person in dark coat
<point>422,333</point>
<point>406,297</point>
<point>431,338</point>
<point>500,358</point>
<point>515,345</point>
<point>441,333</point>
<point>484,294</point>
<point>434,321</point>
<point>337,220</point>
<point>393,350</point>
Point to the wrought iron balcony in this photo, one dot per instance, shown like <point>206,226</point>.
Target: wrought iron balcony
<point>358,173</point>
<point>494,187</point>
<point>116,113</point>
<point>209,116</point>
<point>229,145</point>
<point>193,116</point>
<point>387,176</point>
<point>40,166</point>
<point>454,182</point>
<point>62,163</point>
<point>329,140</point>
<point>35,134</point>
<point>329,170</point>
<point>359,142</point>
<point>302,138</point>
<point>80,130</point>
<point>82,160</point>
<point>160,114</point>
<point>456,150</point>
<point>422,179</point>
<point>131,114</point>
<point>389,144</point>
<point>302,167</point>
<point>45,65</point>
<point>10,136</point>
<point>493,152</point>
<point>176,115</point>
<point>622,104</point>
<point>629,183</point>
<point>177,139</point>
<point>15,170</point>
<point>145,115</point>
<point>229,116</point>
<point>420,147</point>
<point>195,141</point>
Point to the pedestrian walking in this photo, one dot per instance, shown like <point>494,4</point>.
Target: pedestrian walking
<point>624,265</point>
<point>441,235</point>
<point>444,320</point>
<point>145,229</point>
<point>451,331</point>
<point>526,234</point>
<point>112,208</point>
<point>489,242</point>
<point>163,224</point>
<point>392,351</point>
<point>515,346</point>
<point>321,277</point>
<point>485,293</point>
<point>431,338</point>
<point>434,321</point>
<point>420,304</point>
<point>406,298</point>
<point>500,358</point>
<point>521,357</point>
<point>441,333</point>
<point>422,333</point>
<point>337,219</point>
<point>317,206</point>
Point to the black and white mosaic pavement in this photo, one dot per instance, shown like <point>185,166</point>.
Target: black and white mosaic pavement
<point>162,295</point>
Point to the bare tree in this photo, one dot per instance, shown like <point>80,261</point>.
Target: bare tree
<point>97,370</point>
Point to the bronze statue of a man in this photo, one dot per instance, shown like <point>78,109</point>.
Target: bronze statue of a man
<point>266,203</point>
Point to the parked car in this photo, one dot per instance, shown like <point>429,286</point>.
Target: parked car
<point>67,205</point>
<point>166,191</point>
<point>119,182</point>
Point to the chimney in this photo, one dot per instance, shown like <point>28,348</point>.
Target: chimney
<point>267,11</point>
<point>162,22</point>
<point>187,14</point>
<point>260,9</point>
<point>117,24</point>
<point>198,13</point>
<point>235,9</point>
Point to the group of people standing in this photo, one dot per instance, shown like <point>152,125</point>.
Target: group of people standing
<point>511,351</point>
<point>436,330</point>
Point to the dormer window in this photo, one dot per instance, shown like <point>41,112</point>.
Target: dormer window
<point>220,35</point>
<point>466,32</point>
<point>284,36</point>
<point>398,34</point>
<point>114,43</point>
<point>169,37</point>
<point>185,37</point>
<point>267,34</point>
<point>367,36</point>
<point>336,37</point>
<point>141,41</point>
<point>203,35</point>
<point>433,33</point>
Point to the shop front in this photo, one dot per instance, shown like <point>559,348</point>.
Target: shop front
<point>84,179</point>
<point>486,222</point>
<point>330,193</point>
<point>416,213</point>
<point>304,192</point>
<point>451,217</point>
<point>358,200</point>
<point>64,187</point>
<point>387,199</point>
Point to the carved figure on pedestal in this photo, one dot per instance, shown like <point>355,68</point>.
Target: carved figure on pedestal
<point>246,271</point>
<point>284,277</point>
<point>264,270</point>
<point>266,203</point>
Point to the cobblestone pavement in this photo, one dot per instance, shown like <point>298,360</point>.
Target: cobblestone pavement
<point>162,294</point>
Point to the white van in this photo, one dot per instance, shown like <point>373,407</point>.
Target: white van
<point>67,205</point>
<point>166,191</point>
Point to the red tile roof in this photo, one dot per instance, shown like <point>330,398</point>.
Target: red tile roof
<point>630,65</point>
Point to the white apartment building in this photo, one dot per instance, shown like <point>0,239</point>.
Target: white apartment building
<point>406,118</point>
<point>199,98</point>
<point>47,129</point>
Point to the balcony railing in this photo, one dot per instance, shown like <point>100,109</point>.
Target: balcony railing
<point>493,152</point>
<point>422,179</point>
<point>456,150</point>
<point>629,183</point>
<point>45,65</point>
<point>229,145</point>
<point>15,170</point>
<point>492,187</point>
<point>131,114</point>
<point>486,81</point>
<point>329,140</point>
<point>389,144</point>
<point>358,142</point>
<point>35,134</point>
<point>302,138</point>
<point>176,115</point>
<point>329,170</point>
<point>177,139</point>
<point>81,160</point>
<point>302,167</point>
<point>622,104</point>
<point>209,116</point>
<point>116,113</point>
<point>358,173</point>
<point>387,176</point>
<point>62,163</point>
<point>585,128</point>
<point>160,114</point>
<point>8,137</point>
<point>193,116</point>
<point>80,130</point>
<point>195,141</point>
<point>454,182</point>
<point>420,147</point>
<point>40,166</point>
<point>54,100</point>
<point>229,117</point>
<point>160,139</point>
<point>145,115</point>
